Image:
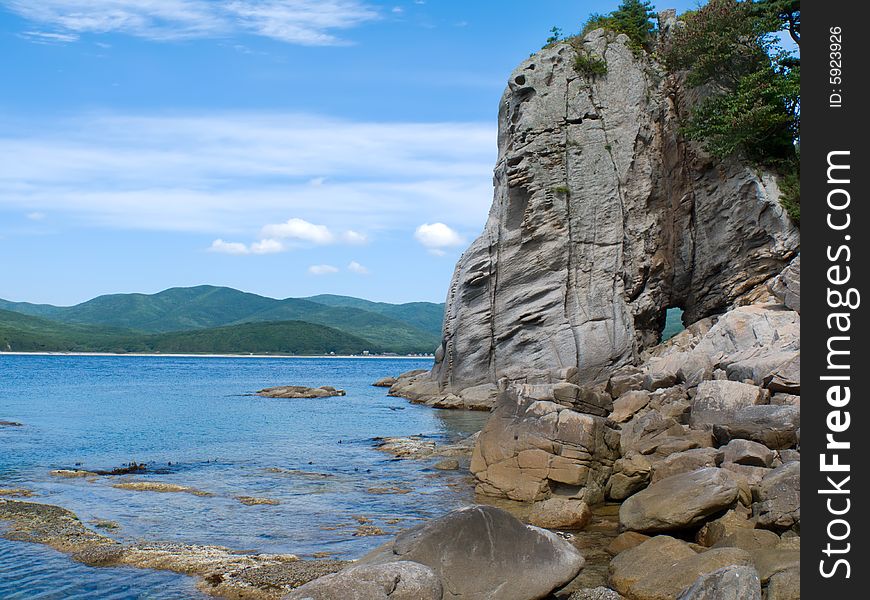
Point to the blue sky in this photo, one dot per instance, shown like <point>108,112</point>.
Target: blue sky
<point>282,147</point>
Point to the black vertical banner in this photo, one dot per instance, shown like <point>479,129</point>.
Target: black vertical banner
<point>835,249</point>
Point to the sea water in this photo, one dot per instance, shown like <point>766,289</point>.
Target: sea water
<point>195,422</point>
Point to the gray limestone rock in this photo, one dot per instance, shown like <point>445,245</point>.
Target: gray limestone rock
<point>603,215</point>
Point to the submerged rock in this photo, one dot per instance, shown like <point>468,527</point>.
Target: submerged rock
<point>223,572</point>
<point>155,486</point>
<point>300,391</point>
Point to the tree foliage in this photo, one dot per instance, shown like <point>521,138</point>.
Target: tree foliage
<point>752,104</point>
<point>634,18</point>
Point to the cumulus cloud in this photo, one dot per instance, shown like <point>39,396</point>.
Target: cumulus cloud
<point>305,22</point>
<point>267,246</point>
<point>355,267</point>
<point>322,269</point>
<point>223,247</point>
<point>437,236</point>
<point>354,237</point>
<point>300,229</point>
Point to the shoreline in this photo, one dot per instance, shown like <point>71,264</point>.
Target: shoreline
<point>152,354</point>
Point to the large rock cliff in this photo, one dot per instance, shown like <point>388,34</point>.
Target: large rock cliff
<point>603,217</point>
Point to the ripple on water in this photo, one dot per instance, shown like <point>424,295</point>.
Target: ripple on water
<point>311,462</point>
<point>35,572</point>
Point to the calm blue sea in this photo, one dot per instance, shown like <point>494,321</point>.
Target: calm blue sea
<point>193,419</point>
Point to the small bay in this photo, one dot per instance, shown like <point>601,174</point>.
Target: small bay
<point>195,423</point>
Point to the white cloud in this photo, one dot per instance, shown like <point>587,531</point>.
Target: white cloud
<point>267,246</point>
<point>35,216</point>
<point>354,237</point>
<point>306,22</point>
<point>301,230</point>
<point>46,37</point>
<point>322,269</point>
<point>228,174</point>
<point>223,247</point>
<point>355,267</point>
<point>437,236</point>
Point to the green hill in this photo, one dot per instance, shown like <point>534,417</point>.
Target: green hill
<point>24,333</point>
<point>425,316</point>
<point>399,328</point>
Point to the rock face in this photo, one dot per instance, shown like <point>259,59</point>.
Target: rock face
<point>532,448</point>
<point>603,216</point>
<point>484,553</point>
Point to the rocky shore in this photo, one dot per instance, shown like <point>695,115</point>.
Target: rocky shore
<point>612,466</point>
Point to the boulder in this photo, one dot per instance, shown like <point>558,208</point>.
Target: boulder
<point>769,561</point>
<point>716,402</point>
<point>599,593</point>
<point>679,501</point>
<point>625,541</point>
<point>749,475</point>
<point>484,553</point>
<point>684,462</point>
<point>778,498</point>
<point>786,378</point>
<point>787,285</point>
<point>532,448</point>
<point>643,560</point>
<point>646,431</point>
<point>625,379</point>
<point>401,580</point>
<point>385,382</point>
<point>630,475</point>
<point>560,513</point>
<point>669,581</point>
<point>734,520</point>
<point>747,452</point>
<point>625,407</point>
<point>776,427</point>
<point>785,585</point>
<point>727,583</point>
<point>749,539</point>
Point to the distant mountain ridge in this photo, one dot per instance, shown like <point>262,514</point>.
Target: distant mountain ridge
<point>401,328</point>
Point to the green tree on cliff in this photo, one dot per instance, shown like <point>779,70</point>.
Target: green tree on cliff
<point>752,85</point>
<point>634,18</point>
